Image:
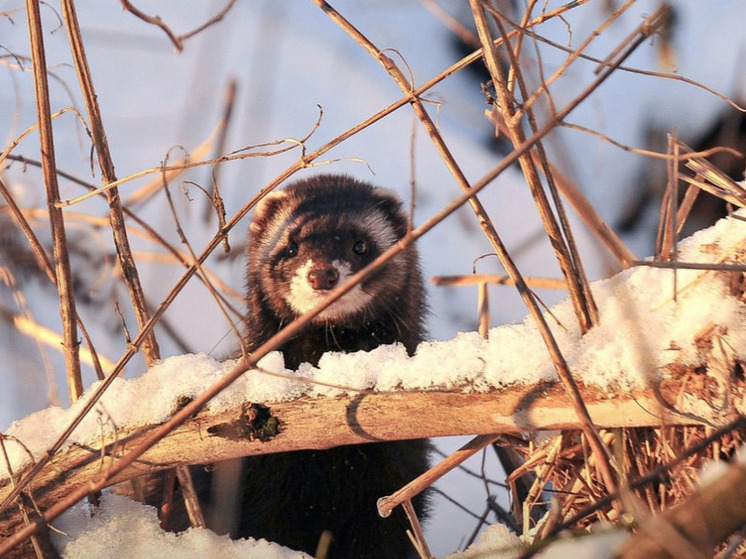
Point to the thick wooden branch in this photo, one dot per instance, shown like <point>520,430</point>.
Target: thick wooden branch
<point>326,422</point>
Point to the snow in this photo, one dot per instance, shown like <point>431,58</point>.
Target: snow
<point>642,329</point>
<point>599,545</point>
<point>498,542</point>
<point>123,528</point>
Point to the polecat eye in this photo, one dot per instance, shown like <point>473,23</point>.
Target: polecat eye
<point>292,249</point>
<point>360,248</point>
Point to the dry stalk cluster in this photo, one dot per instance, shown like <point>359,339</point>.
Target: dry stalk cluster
<point>582,475</point>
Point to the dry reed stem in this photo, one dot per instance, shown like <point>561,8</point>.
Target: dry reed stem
<point>214,191</point>
<point>422,482</point>
<point>711,179</point>
<point>584,209</point>
<point>108,174</point>
<point>42,260</point>
<point>497,279</point>
<point>559,234</point>
<point>557,358</point>
<point>483,310</point>
<point>667,225</point>
<point>189,494</point>
<point>61,257</point>
<point>417,536</point>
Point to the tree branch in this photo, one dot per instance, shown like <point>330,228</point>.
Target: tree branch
<point>367,417</point>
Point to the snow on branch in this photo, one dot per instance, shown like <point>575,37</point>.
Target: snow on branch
<point>665,352</point>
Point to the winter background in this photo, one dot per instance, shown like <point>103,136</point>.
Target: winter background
<point>288,58</point>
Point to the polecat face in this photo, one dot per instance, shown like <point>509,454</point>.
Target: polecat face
<point>313,264</point>
<point>307,240</point>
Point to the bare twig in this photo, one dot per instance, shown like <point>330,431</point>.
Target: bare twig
<point>119,230</point>
<point>42,260</point>
<point>559,361</point>
<point>559,233</point>
<point>177,40</point>
<point>216,200</point>
<point>667,225</point>
<point>655,154</point>
<point>61,259</point>
<point>406,493</point>
<point>477,279</point>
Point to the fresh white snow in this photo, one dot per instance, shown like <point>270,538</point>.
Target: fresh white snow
<point>127,529</point>
<point>123,528</point>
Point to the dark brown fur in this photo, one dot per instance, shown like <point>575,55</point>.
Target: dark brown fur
<point>292,498</point>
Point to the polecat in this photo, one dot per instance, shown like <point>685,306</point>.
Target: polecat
<point>304,241</point>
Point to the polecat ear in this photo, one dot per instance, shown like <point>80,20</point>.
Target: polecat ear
<point>388,193</point>
<point>391,204</point>
<point>266,208</point>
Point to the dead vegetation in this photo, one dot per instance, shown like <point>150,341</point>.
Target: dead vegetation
<point>592,470</point>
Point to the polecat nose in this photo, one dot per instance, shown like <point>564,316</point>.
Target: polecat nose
<point>323,278</point>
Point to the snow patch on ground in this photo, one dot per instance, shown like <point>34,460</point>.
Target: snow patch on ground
<point>127,529</point>
<point>498,542</point>
<point>123,528</point>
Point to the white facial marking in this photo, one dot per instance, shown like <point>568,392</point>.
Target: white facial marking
<point>302,297</point>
